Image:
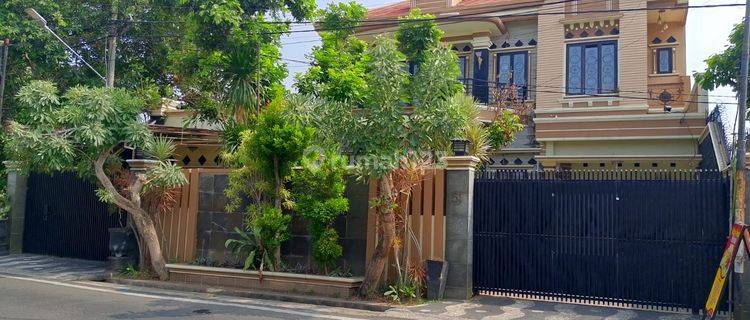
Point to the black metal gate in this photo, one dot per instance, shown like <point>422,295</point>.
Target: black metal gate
<point>643,238</point>
<point>64,218</point>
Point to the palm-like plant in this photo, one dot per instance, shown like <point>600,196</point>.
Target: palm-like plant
<point>161,148</point>
<point>479,140</point>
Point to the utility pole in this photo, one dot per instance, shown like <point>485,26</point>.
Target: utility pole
<point>741,178</point>
<point>3,65</point>
<point>112,47</point>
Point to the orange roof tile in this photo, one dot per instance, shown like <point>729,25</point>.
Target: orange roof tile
<point>401,9</point>
<point>395,10</point>
<point>482,3</point>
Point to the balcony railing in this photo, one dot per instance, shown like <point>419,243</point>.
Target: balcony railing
<point>485,91</point>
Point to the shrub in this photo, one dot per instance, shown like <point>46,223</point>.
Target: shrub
<point>4,205</point>
<point>318,190</point>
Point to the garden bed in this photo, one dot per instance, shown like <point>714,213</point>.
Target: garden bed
<point>274,281</point>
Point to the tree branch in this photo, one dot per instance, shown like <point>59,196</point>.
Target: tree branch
<point>118,199</point>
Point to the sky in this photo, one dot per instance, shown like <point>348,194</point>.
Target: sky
<point>707,33</point>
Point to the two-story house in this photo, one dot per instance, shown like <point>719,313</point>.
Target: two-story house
<point>606,79</point>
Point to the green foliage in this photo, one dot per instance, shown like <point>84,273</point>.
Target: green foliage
<point>69,132</point>
<point>271,227</point>
<point>338,71</point>
<point>417,34</point>
<point>723,68</point>
<point>160,148</point>
<point>381,133</point>
<point>326,248</point>
<point>502,130</point>
<point>275,145</point>
<point>165,175</point>
<point>129,272</point>
<point>36,54</point>
<point>318,190</point>
<point>57,133</point>
<point>231,136</point>
<point>266,228</point>
<point>4,205</point>
<point>264,161</point>
<point>479,140</point>
<point>246,248</point>
<point>229,64</point>
<point>401,292</point>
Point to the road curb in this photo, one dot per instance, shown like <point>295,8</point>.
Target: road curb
<point>264,295</point>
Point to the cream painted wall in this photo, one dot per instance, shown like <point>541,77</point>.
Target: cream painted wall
<point>684,147</point>
<point>632,53</point>
<point>178,118</point>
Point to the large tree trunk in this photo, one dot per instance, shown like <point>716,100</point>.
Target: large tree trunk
<point>142,220</point>
<point>150,238</point>
<point>386,234</point>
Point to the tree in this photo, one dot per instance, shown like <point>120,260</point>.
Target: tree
<point>385,132</point>
<point>338,71</point>
<point>318,190</point>
<point>141,52</point>
<point>723,69</point>
<point>264,163</point>
<point>82,131</point>
<point>417,34</point>
<point>228,68</point>
<point>404,120</point>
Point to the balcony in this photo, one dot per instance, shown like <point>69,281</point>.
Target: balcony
<point>486,92</point>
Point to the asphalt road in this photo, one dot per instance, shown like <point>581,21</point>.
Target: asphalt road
<point>29,297</point>
<point>25,298</point>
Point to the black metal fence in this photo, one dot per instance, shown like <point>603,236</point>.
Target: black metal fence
<point>651,238</point>
<point>65,218</point>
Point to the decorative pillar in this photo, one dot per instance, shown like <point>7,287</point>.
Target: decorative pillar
<point>459,226</point>
<point>481,67</point>
<point>16,188</point>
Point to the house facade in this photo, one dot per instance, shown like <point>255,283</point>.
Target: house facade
<point>605,81</point>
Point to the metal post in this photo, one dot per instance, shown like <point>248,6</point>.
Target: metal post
<point>741,179</point>
<point>742,298</point>
<point>3,65</point>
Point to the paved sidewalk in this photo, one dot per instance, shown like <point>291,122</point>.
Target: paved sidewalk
<point>496,308</point>
<point>49,267</point>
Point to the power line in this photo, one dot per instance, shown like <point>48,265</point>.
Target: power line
<point>611,95</point>
<point>459,18</point>
<point>535,14</point>
<point>443,23</point>
<point>462,18</point>
<point>384,20</point>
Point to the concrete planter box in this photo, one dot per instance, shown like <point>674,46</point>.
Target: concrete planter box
<point>4,237</point>
<point>273,281</point>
